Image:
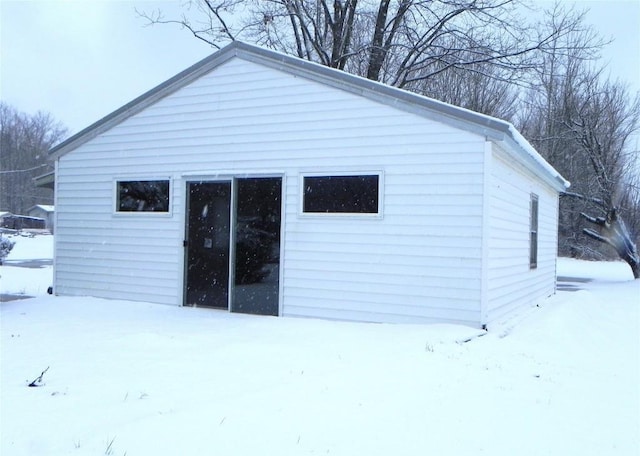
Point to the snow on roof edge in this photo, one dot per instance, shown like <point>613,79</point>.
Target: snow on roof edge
<point>526,147</point>
<point>44,207</point>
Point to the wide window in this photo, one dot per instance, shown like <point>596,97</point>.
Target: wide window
<point>533,235</point>
<point>142,196</point>
<point>353,194</point>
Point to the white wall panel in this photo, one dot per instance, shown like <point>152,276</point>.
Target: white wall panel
<point>419,261</point>
<point>512,284</point>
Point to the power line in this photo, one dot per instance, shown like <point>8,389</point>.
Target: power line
<point>23,170</point>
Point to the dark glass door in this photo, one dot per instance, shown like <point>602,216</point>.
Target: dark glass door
<point>257,245</point>
<point>208,244</point>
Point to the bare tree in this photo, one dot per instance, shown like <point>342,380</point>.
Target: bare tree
<point>542,120</point>
<point>602,119</point>
<point>630,199</point>
<point>24,143</point>
<point>399,43</point>
<point>582,124</point>
<point>481,87</point>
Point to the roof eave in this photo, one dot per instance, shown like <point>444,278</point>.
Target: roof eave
<point>143,101</point>
<point>386,94</point>
<point>532,160</point>
<point>491,128</point>
<point>460,117</point>
<point>45,180</point>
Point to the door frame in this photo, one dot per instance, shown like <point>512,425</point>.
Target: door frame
<point>231,178</point>
<point>185,233</point>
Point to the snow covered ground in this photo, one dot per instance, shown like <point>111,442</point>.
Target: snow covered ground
<point>33,281</point>
<point>143,379</point>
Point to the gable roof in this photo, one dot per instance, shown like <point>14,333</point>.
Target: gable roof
<point>493,129</point>
<point>44,207</point>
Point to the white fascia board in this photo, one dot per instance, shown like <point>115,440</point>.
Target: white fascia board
<point>489,127</point>
<point>138,104</point>
<point>534,161</point>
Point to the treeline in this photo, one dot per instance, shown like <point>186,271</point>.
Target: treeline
<point>24,144</point>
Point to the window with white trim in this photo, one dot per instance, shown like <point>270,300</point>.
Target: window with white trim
<point>533,232</point>
<point>142,195</point>
<point>341,194</point>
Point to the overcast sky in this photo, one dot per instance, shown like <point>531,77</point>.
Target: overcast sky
<point>81,60</point>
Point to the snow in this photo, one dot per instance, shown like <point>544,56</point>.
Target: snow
<point>535,155</point>
<point>145,379</point>
<point>46,207</point>
<point>26,248</point>
<point>34,281</point>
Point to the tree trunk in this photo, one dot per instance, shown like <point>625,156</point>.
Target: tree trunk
<point>378,53</point>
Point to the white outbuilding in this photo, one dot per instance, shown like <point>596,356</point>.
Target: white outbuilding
<point>257,182</point>
<point>45,212</point>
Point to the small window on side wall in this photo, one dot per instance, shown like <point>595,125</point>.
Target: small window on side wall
<point>341,194</point>
<point>142,196</point>
<point>533,232</point>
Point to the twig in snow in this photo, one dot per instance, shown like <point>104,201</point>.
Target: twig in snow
<point>109,450</point>
<point>38,379</point>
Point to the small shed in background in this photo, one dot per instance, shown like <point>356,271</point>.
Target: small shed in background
<point>4,217</point>
<point>45,212</point>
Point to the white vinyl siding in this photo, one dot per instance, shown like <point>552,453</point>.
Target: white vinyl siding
<point>512,283</point>
<point>106,255</point>
<point>420,261</point>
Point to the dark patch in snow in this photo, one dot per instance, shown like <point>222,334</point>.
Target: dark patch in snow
<point>571,283</point>
<point>574,279</point>
<point>13,297</point>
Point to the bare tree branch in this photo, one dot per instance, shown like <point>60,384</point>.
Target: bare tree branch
<point>592,199</point>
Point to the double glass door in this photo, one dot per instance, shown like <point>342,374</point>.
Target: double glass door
<point>233,244</point>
